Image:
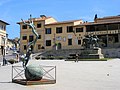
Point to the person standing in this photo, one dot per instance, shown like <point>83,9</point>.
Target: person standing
<point>17,57</point>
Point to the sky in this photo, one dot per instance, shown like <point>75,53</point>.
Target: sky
<point>11,11</point>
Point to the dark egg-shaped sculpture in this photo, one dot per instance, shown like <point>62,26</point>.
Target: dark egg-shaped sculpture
<point>33,72</point>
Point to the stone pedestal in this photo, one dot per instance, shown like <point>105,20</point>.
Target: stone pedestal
<point>94,53</point>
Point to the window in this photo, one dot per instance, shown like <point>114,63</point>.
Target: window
<point>69,29</point>
<point>90,28</point>
<point>30,27</point>
<point>48,42</point>
<point>25,47</point>
<point>0,27</point>
<point>79,30</point>
<point>4,27</point>
<point>58,29</point>
<point>79,42</point>
<point>69,41</point>
<point>48,31</point>
<point>39,46</point>
<point>31,38</point>
<point>113,27</point>
<point>39,37</point>
<point>116,38</point>
<point>39,25</point>
<point>24,26</point>
<point>24,38</point>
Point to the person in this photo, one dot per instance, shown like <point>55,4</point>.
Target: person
<point>17,56</point>
<point>77,55</point>
<point>4,61</point>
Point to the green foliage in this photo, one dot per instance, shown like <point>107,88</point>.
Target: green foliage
<point>59,57</point>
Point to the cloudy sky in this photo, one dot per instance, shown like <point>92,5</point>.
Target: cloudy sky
<point>12,11</point>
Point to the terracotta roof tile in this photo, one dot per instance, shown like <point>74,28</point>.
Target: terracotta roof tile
<point>36,19</point>
<point>63,22</point>
<point>109,17</point>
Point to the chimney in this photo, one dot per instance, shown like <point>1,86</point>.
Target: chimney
<point>95,18</point>
<point>42,16</point>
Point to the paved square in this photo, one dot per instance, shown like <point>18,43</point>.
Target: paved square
<point>84,75</point>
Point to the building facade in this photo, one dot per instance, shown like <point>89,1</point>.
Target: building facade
<point>107,29</point>
<point>26,34</point>
<point>12,44</point>
<point>3,36</point>
<point>63,35</point>
<point>69,34</point>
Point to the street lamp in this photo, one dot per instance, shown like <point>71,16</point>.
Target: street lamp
<point>4,51</point>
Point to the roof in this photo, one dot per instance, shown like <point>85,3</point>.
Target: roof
<point>41,18</point>
<point>63,22</point>
<point>4,22</point>
<point>93,23</point>
<point>109,17</point>
<point>36,19</point>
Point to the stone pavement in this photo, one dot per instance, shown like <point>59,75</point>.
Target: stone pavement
<point>84,75</point>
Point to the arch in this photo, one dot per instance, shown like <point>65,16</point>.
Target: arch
<point>59,45</point>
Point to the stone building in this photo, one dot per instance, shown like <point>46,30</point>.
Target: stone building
<point>3,36</point>
<point>107,29</point>
<point>69,34</point>
<point>27,36</point>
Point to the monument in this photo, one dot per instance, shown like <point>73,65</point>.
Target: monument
<point>91,48</point>
<point>32,74</point>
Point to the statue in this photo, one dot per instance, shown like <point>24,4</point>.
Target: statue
<point>86,41</point>
<point>91,48</point>
<point>94,41</point>
<point>32,72</point>
<point>29,51</point>
<point>90,41</point>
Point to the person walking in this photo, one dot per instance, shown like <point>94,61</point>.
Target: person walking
<point>76,59</point>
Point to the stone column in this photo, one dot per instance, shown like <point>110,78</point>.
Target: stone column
<point>107,35</point>
<point>119,33</point>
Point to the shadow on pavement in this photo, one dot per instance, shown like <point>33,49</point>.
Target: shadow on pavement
<point>6,82</point>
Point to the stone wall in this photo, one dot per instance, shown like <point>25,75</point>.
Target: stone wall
<point>114,52</point>
<point>64,52</point>
<point>108,53</point>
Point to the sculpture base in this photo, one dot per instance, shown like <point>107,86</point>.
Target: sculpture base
<point>91,56</point>
<point>94,53</point>
<point>38,82</point>
<point>49,76</point>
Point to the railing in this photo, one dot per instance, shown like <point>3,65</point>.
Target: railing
<point>49,75</point>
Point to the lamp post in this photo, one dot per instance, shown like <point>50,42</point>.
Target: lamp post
<point>4,51</point>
